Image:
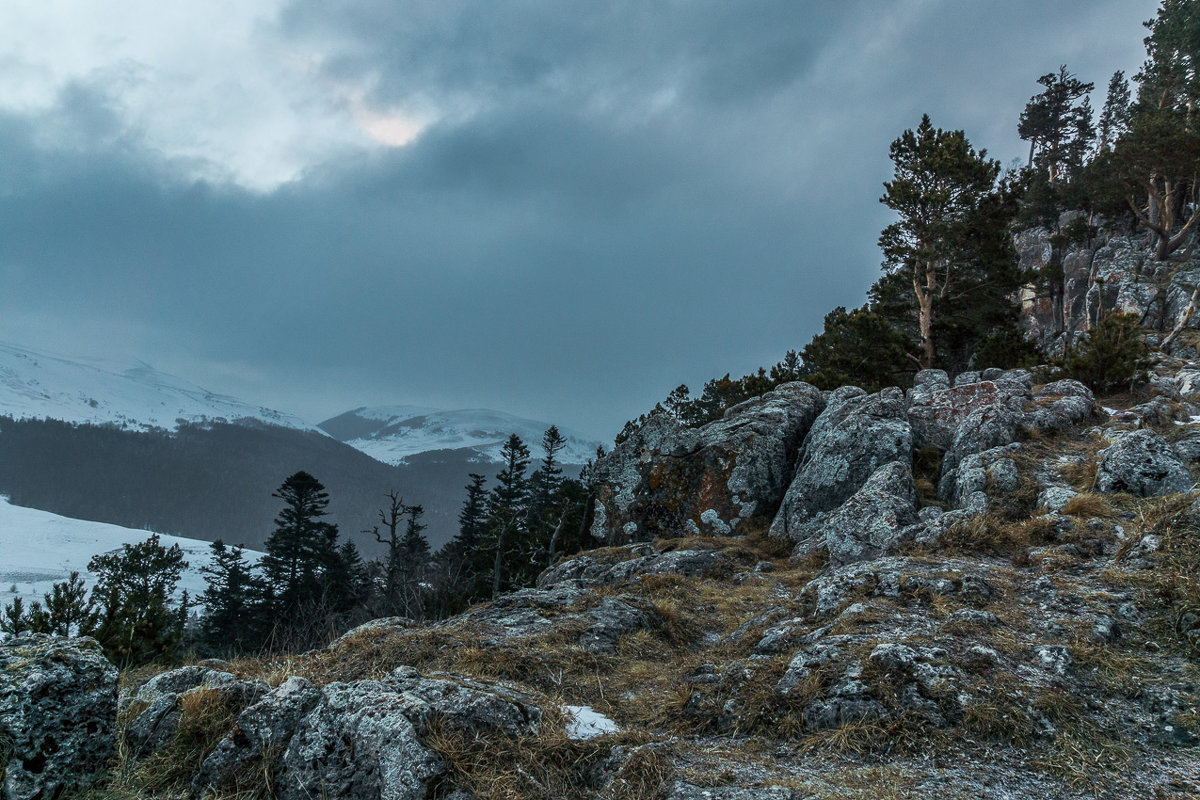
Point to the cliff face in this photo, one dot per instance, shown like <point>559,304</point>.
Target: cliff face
<point>1114,271</point>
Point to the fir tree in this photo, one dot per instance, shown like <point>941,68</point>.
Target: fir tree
<point>302,546</point>
<point>231,601</point>
<point>507,509</point>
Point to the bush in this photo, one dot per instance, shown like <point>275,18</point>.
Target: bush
<point>1112,357</point>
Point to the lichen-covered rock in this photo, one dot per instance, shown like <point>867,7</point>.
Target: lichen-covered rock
<point>992,474</point>
<point>587,570</point>
<point>178,681</point>
<point>936,410</point>
<point>867,524</point>
<point>58,711</point>
<point>1143,464</point>
<point>258,738</point>
<point>670,480</point>
<point>467,705</point>
<point>856,435</point>
<point>537,612</point>
<point>1113,271</point>
<point>156,725</point>
<point>358,744</point>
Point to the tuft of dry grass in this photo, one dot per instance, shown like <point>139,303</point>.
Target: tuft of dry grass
<point>1087,505</point>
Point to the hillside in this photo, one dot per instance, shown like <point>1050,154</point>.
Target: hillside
<point>41,549</point>
<point>790,606</point>
<point>134,396</point>
<point>213,480</point>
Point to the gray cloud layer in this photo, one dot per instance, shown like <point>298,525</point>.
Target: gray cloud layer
<point>613,198</point>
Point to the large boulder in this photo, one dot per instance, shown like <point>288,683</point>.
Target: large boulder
<point>58,712</point>
<point>670,480</point>
<point>856,435</point>
<point>358,740</point>
<point>257,739</point>
<point>869,522</point>
<point>358,744</point>
<point>1142,463</point>
<point>208,692</point>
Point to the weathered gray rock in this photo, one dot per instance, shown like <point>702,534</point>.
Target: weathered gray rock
<point>992,473</point>
<point>1188,448</point>
<point>155,727</point>
<point>937,411</point>
<point>587,570</point>
<point>467,705</point>
<point>534,612</point>
<point>257,739</point>
<point>1143,464</point>
<point>670,480</point>
<point>867,524</point>
<point>178,681</point>
<point>1113,271</point>
<point>358,744</point>
<point>855,436</point>
<point>58,712</point>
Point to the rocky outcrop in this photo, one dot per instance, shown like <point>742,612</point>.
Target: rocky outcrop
<point>856,435</point>
<point>670,480</point>
<point>363,739</point>
<point>869,522</point>
<point>1112,272</point>
<point>216,692</point>
<point>587,570</point>
<point>564,607</point>
<point>1143,464</point>
<point>58,711</point>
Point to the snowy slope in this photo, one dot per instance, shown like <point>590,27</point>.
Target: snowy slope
<point>41,386</point>
<point>38,549</point>
<point>393,433</point>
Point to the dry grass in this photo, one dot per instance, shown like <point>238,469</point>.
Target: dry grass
<point>994,534</point>
<point>543,766</point>
<point>1087,505</point>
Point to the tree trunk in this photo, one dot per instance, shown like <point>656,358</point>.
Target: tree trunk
<point>498,562</point>
<point>1184,318</point>
<point>925,316</point>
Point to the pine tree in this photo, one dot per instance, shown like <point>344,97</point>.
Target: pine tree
<point>951,235</point>
<point>856,348</point>
<point>1114,118</point>
<point>1058,125</point>
<point>16,619</point>
<point>134,589</point>
<point>67,611</point>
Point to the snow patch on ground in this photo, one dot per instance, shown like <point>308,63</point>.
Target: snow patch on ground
<point>38,549</point>
<point>584,722</point>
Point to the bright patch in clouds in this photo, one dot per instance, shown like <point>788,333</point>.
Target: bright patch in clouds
<point>208,84</point>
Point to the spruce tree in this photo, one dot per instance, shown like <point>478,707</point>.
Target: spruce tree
<point>1058,125</point>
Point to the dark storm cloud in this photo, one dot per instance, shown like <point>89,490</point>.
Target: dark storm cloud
<point>613,199</point>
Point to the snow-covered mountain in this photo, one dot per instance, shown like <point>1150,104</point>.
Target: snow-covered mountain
<point>392,434</point>
<point>38,549</point>
<point>37,385</point>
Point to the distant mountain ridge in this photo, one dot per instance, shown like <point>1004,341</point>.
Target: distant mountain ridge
<point>393,434</point>
<point>135,396</point>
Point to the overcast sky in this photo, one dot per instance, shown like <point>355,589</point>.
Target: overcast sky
<point>558,209</point>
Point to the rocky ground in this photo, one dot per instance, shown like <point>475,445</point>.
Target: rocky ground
<point>979,588</point>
